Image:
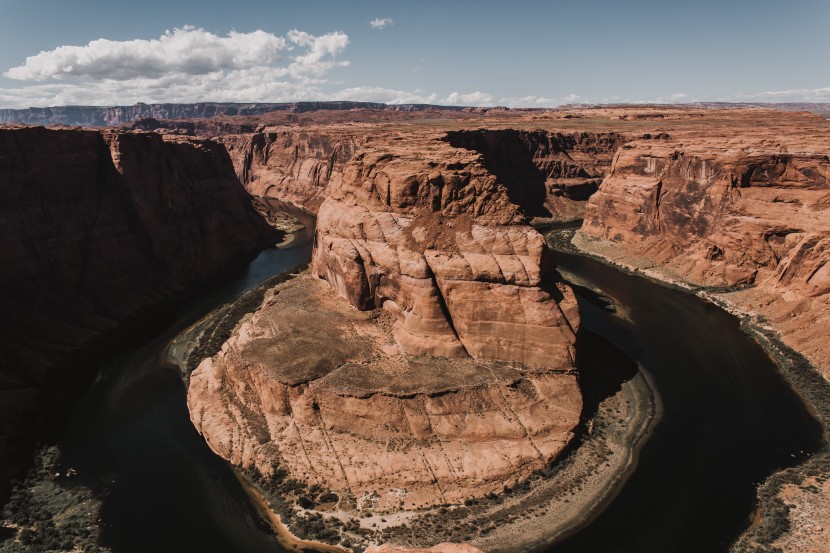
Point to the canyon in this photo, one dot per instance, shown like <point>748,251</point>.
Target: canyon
<point>428,357</point>
<point>101,229</point>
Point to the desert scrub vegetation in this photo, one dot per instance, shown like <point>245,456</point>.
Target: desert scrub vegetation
<point>48,511</point>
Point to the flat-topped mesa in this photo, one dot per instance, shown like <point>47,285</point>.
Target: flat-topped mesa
<point>453,377</point>
<point>424,231</point>
<point>738,211</point>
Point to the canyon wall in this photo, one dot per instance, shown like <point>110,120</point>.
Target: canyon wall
<point>292,165</point>
<point>548,174</point>
<point>427,358</point>
<point>98,228</point>
<point>745,212</point>
<point>425,231</point>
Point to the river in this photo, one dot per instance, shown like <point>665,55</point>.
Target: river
<point>728,421</point>
<point>166,491</point>
<point>728,418</point>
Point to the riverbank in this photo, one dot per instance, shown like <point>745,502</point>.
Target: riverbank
<point>793,512</point>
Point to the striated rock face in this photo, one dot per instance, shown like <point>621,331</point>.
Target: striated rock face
<point>731,211</point>
<point>548,174</point>
<point>426,232</point>
<point>292,165</point>
<point>97,228</point>
<point>453,375</point>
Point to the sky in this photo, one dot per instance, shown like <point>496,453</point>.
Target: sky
<point>514,53</point>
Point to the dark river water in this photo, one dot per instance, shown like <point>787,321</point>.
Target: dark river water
<point>728,421</point>
<point>167,491</point>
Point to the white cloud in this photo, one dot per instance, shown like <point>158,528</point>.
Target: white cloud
<point>184,65</point>
<point>381,22</point>
<point>187,50</point>
<point>385,95</point>
<point>793,95</point>
<point>476,98</point>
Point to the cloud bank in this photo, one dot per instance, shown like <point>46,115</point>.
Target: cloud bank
<point>184,65</point>
<point>190,64</point>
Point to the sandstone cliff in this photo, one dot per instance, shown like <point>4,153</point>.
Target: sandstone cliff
<point>292,165</point>
<point>98,228</point>
<point>548,174</point>
<point>741,211</point>
<point>454,375</point>
<point>426,232</point>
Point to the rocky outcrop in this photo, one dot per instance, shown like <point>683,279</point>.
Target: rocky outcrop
<point>100,228</point>
<point>453,375</point>
<point>426,232</point>
<point>292,165</point>
<point>548,174</point>
<point>94,116</point>
<point>742,212</point>
<point>349,413</point>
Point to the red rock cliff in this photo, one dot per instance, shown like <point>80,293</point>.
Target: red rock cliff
<point>97,228</point>
<point>740,210</point>
<point>454,375</point>
<point>292,165</point>
<point>426,232</point>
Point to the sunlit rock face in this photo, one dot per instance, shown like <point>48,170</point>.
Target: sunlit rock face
<point>743,210</point>
<point>427,357</point>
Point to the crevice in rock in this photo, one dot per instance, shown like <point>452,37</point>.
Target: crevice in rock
<point>445,310</point>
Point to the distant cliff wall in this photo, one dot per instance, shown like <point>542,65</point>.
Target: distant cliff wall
<point>96,116</point>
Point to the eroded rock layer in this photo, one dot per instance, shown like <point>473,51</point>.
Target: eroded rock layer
<point>549,174</point>
<point>447,371</point>
<point>739,211</point>
<point>290,164</point>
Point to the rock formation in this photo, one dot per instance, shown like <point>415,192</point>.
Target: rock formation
<point>293,165</point>
<point>548,174</point>
<point>738,211</point>
<point>453,376</point>
<point>99,228</point>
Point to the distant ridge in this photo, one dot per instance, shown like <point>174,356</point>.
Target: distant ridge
<point>819,108</point>
<point>103,116</point>
<point>112,116</point>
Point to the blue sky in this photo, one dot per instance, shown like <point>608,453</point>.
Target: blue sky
<point>518,53</point>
